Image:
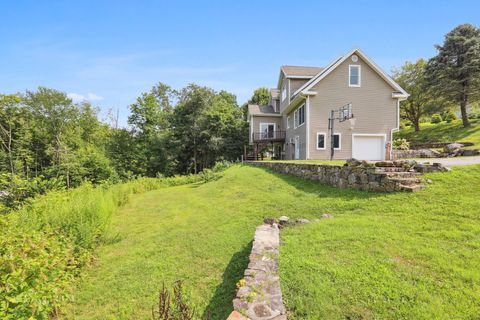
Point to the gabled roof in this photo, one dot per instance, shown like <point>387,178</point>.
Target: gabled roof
<point>256,110</point>
<point>300,71</point>
<point>400,93</point>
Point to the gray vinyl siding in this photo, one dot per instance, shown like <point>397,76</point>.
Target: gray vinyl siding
<point>291,133</point>
<point>374,108</point>
<point>295,84</point>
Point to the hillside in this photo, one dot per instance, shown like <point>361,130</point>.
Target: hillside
<point>443,132</point>
<point>395,256</point>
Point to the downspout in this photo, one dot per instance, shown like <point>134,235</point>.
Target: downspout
<point>307,151</point>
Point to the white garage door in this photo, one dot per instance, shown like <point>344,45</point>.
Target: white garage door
<point>368,147</point>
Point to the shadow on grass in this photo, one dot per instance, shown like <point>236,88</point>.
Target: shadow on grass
<point>220,306</point>
<point>323,190</point>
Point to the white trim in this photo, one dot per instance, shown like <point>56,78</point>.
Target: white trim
<point>288,122</point>
<point>299,77</point>
<point>297,145</point>
<point>324,141</point>
<point>371,135</point>
<point>306,117</point>
<point>266,115</point>
<point>359,75</point>
<point>332,66</point>
<point>339,140</point>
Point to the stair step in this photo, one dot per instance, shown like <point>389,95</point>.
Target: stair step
<point>406,181</point>
<point>391,169</point>
<point>412,188</point>
<point>402,174</point>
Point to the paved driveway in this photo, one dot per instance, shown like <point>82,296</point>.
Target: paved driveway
<point>457,161</point>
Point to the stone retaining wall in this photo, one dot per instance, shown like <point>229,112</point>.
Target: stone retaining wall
<point>415,153</point>
<point>361,178</point>
<point>259,296</point>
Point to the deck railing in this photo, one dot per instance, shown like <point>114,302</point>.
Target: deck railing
<point>269,136</point>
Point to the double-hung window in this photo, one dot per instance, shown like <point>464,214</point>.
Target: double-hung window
<point>354,76</point>
<point>299,116</point>
<point>322,141</point>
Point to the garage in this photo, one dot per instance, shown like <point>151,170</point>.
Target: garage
<point>368,146</point>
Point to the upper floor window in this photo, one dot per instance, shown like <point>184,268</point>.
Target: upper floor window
<point>288,122</point>
<point>354,76</point>
<point>299,116</point>
<point>284,91</point>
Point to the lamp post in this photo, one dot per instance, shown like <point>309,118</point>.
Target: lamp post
<point>341,114</point>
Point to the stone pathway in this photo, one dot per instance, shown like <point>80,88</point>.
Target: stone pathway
<point>259,296</point>
<point>457,161</point>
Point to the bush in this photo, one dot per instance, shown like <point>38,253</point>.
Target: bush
<point>44,244</point>
<point>449,116</point>
<point>436,118</point>
<point>401,144</point>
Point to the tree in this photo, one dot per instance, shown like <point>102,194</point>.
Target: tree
<point>411,77</point>
<point>260,96</point>
<point>454,72</point>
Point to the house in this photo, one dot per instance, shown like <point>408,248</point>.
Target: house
<point>295,123</point>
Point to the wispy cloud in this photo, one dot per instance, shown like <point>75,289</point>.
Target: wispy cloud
<point>76,97</point>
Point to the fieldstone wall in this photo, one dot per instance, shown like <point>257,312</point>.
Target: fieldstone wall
<point>415,153</point>
<point>259,296</point>
<point>367,178</point>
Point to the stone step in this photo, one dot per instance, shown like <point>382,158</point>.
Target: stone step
<point>390,169</point>
<point>412,188</point>
<point>402,174</point>
<point>406,181</point>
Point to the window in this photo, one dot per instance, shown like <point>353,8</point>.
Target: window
<point>354,76</point>
<point>284,91</point>
<point>320,141</point>
<point>336,141</point>
<point>288,122</point>
<point>299,116</point>
<point>267,130</point>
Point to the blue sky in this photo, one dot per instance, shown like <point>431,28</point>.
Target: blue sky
<point>111,51</point>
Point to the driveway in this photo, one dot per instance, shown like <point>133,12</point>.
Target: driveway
<point>457,161</point>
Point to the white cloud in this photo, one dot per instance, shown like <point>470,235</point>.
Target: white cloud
<point>76,97</point>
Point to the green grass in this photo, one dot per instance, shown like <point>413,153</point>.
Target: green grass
<point>383,256</point>
<point>443,132</point>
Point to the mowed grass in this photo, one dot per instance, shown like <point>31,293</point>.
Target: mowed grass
<point>383,256</point>
<point>331,162</point>
<point>443,132</point>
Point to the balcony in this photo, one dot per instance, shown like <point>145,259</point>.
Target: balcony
<point>269,136</point>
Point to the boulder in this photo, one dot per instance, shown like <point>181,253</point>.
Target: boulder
<point>327,216</point>
<point>353,162</point>
<point>453,148</point>
<point>303,221</point>
<point>283,220</point>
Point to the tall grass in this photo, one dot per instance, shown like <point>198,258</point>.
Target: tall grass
<point>44,245</point>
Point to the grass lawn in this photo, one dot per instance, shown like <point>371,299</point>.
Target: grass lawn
<point>443,132</point>
<point>383,256</point>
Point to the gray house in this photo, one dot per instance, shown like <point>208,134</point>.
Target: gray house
<point>296,122</point>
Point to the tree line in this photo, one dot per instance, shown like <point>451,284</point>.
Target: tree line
<point>448,81</point>
<point>47,141</point>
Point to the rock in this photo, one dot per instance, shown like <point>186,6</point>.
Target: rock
<point>327,216</point>
<point>283,220</point>
<point>353,162</point>
<point>453,148</point>
<point>469,152</point>
<point>236,316</point>
<point>384,164</point>
<point>303,221</point>
<point>428,153</point>
<point>270,220</point>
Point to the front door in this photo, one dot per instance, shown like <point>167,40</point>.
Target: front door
<point>297,148</point>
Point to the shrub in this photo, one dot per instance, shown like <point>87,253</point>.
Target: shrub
<point>401,144</point>
<point>449,116</point>
<point>436,118</point>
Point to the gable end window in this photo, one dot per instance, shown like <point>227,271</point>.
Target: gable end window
<point>354,75</point>
<point>284,92</point>
<point>288,122</point>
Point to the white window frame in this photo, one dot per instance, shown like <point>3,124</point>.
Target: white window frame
<point>339,140</point>
<point>324,140</point>
<point>295,116</point>
<point>288,122</point>
<point>284,91</point>
<point>359,75</point>
<point>304,115</point>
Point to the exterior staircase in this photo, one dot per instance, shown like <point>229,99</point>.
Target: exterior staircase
<point>408,179</point>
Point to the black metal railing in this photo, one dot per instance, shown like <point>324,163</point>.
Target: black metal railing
<point>269,136</point>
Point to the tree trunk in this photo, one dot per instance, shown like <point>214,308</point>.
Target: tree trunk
<point>416,124</point>
<point>463,109</point>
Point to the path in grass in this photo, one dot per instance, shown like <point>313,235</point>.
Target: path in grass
<point>382,256</point>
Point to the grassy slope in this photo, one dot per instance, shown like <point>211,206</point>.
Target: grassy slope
<point>443,132</point>
<point>382,256</point>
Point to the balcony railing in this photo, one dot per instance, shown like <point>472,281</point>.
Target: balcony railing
<point>271,136</point>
